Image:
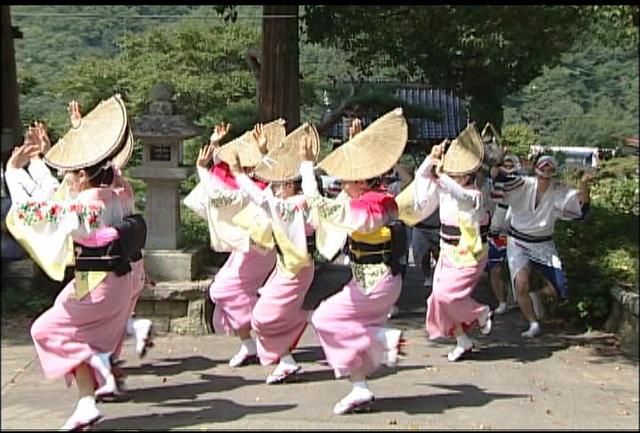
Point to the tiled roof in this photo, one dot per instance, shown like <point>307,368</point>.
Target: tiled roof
<point>454,117</point>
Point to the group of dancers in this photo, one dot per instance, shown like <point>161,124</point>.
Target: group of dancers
<point>259,195</point>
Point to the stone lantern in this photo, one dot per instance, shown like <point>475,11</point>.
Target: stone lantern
<point>161,133</point>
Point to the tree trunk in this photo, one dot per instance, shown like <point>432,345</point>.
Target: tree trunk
<point>11,129</point>
<point>485,109</point>
<point>279,69</point>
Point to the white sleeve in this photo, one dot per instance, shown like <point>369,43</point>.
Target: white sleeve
<point>21,185</point>
<point>566,203</point>
<point>206,181</point>
<point>46,183</point>
<point>469,197</point>
<point>424,170</point>
<point>309,185</point>
<point>255,194</point>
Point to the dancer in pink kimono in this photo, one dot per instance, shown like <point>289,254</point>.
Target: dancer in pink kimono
<point>134,229</point>
<point>451,311</point>
<point>78,334</point>
<point>350,324</point>
<point>219,199</point>
<point>278,318</point>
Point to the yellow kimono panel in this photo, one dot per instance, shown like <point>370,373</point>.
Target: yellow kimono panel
<point>380,236</point>
<point>407,211</point>
<point>293,259</point>
<point>470,248</point>
<point>52,252</point>
<point>85,282</point>
<point>254,221</point>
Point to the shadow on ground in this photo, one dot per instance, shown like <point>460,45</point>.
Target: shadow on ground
<point>211,411</point>
<point>165,391</point>
<point>460,396</point>
<point>173,366</point>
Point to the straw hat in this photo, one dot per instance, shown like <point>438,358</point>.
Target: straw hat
<point>489,134</point>
<point>124,154</point>
<point>465,153</point>
<point>247,149</point>
<point>101,134</point>
<point>370,153</point>
<point>282,163</point>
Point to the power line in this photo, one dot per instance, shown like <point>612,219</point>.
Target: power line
<point>81,15</point>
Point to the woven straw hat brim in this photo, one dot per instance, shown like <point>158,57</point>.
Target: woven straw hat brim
<point>370,153</point>
<point>124,155</point>
<point>465,153</point>
<point>282,163</point>
<point>99,135</point>
<point>489,133</point>
<point>247,149</point>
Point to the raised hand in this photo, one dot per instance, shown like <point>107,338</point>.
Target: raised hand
<point>588,178</point>
<point>355,128</point>
<point>219,132</point>
<point>436,151</point>
<point>438,168</point>
<point>305,149</point>
<point>42,137</point>
<point>74,114</point>
<point>21,155</point>
<point>260,137</point>
<point>234,164</point>
<point>205,156</point>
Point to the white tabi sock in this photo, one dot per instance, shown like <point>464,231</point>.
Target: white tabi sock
<point>101,362</point>
<point>287,361</point>
<point>464,341</point>
<point>130,330</point>
<point>248,346</point>
<point>533,331</point>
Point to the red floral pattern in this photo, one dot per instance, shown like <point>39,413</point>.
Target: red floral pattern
<point>33,212</point>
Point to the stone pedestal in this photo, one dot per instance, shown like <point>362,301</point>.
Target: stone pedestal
<point>173,265</point>
<point>162,208</point>
<point>176,302</point>
<point>177,307</point>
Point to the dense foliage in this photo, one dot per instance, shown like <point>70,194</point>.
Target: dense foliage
<point>601,251</point>
<point>56,37</point>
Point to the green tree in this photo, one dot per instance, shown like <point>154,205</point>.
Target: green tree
<point>481,52</point>
<point>56,37</point>
<point>519,138</point>
<point>204,62</point>
<point>587,100</point>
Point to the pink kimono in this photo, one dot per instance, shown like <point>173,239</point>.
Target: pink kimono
<point>234,289</point>
<point>348,323</point>
<point>463,250</point>
<point>278,317</point>
<point>89,315</point>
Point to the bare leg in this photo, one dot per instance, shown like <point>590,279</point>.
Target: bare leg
<point>244,334</point>
<point>84,380</point>
<point>522,292</point>
<point>86,412</point>
<point>526,304</point>
<point>497,283</point>
<point>548,290</point>
<point>358,376</point>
